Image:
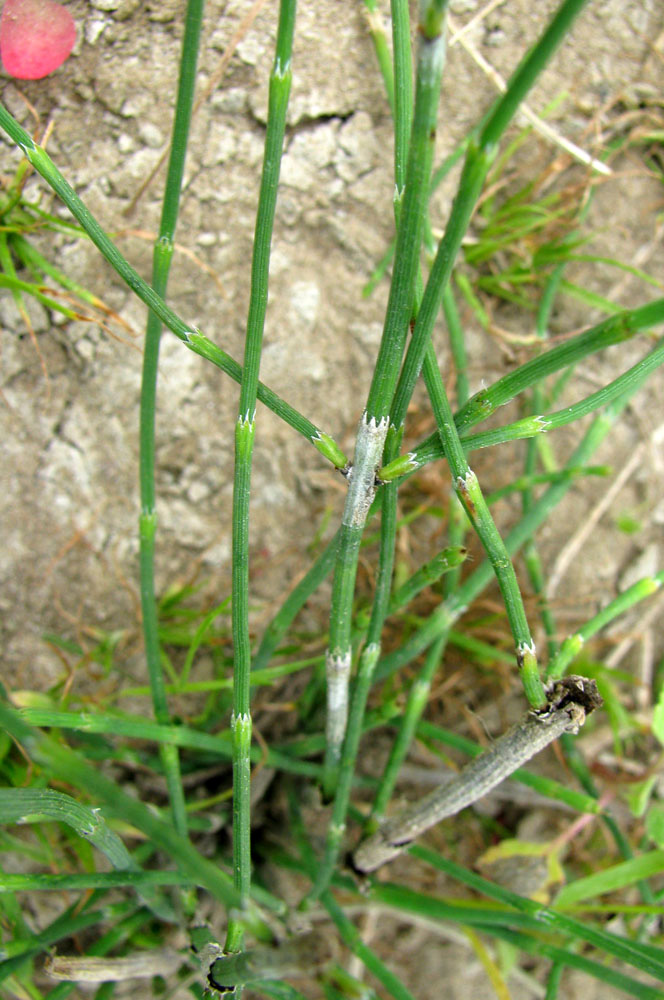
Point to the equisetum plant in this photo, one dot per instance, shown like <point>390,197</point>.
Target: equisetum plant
<point>287,943</point>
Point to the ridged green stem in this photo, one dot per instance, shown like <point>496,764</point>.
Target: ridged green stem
<point>479,157</point>
<point>402,106</point>
<point>470,495</point>
<point>418,695</point>
<point>531,556</point>
<point>410,209</point>
<point>573,645</point>
<point>191,337</point>
<point>614,330</point>
<point>432,448</point>
<point>451,609</point>
<point>368,659</point>
<point>374,17</point>
<point>399,83</point>
<point>279,92</point>
<point>430,60</point>
<point>163,253</point>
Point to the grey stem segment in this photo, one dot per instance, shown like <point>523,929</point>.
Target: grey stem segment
<point>362,482</point>
<point>369,445</point>
<point>569,704</point>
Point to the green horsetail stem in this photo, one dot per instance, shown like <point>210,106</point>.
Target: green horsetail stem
<point>451,558</point>
<point>470,495</point>
<point>573,645</point>
<point>611,331</point>
<point>162,256</point>
<point>279,92</point>
<point>537,402</point>
<point>373,428</point>
<point>444,562</point>
<point>480,155</point>
<point>479,158</point>
<point>413,208</point>
<point>444,617</point>
<point>400,82</point>
<point>375,22</point>
<point>186,333</point>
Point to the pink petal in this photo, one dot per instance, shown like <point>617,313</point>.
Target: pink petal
<point>36,36</point>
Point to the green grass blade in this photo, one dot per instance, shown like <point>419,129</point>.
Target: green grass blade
<point>646,958</point>
<point>85,881</point>
<point>66,765</point>
<point>649,865</point>
<point>353,940</point>
<point>31,805</point>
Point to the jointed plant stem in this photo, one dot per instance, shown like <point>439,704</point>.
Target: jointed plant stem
<point>418,696</point>
<point>192,338</point>
<point>410,207</point>
<point>375,21</point>
<point>450,610</point>
<point>280,83</point>
<point>573,645</point>
<point>613,330</point>
<point>362,484</point>
<point>479,157</point>
<point>531,556</point>
<point>163,252</point>
<point>414,200</point>
<point>470,495</point>
<point>402,85</point>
